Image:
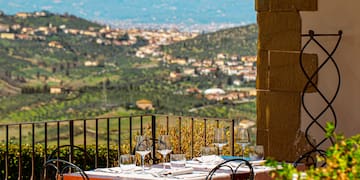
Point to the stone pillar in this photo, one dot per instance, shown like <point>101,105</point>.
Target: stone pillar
<point>280,80</point>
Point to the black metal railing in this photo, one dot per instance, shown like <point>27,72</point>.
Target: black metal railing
<point>103,136</point>
<point>317,118</point>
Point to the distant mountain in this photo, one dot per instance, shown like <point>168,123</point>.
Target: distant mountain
<point>45,18</point>
<point>239,41</point>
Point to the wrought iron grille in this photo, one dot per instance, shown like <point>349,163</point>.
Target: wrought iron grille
<point>312,38</point>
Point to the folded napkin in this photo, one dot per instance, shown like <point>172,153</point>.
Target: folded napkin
<point>258,162</point>
<point>116,170</point>
<point>209,159</point>
<point>179,171</point>
<point>194,176</point>
<point>102,173</point>
<point>257,169</point>
<point>109,170</point>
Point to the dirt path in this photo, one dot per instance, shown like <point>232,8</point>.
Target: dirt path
<point>9,88</point>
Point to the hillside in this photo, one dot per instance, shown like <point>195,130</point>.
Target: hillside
<point>100,73</point>
<point>45,18</point>
<point>234,41</point>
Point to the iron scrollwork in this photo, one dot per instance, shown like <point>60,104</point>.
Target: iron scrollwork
<point>310,156</point>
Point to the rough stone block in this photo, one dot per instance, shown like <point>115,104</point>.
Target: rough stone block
<point>279,31</point>
<point>307,5</point>
<point>262,5</point>
<point>292,5</point>
<point>262,138</point>
<point>262,65</point>
<point>282,5</point>
<point>261,109</point>
<point>279,113</point>
<point>285,72</point>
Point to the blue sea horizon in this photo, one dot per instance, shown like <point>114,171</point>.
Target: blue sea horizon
<point>199,15</point>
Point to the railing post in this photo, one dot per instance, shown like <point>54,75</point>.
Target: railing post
<point>71,128</point>
<point>205,124</point>
<point>85,149</point>
<point>180,135</point>
<point>167,125</point>
<point>119,139</point>
<point>45,146</point>
<point>7,153</point>
<point>130,136</point>
<point>153,135</point>
<point>58,143</point>
<point>141,125</point>
<point>45,141</point>
<point>20,152</point>
<point>192,137</point>
<point>232,137</point>
<point>108,142</point>
<point>33,152</point>
<point>96,142</point>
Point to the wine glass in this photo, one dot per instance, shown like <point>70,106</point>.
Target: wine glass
<point>164,147</point>
<point>256,152</point>
<point>143,147</point>
<point>208,150</point>
<point>220,139</point>
<point>243,138</point>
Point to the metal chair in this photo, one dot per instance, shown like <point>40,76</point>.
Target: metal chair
<point>61,166</point>
<point>233,169</point>
<point>70,151</point>
<point>63,162</point>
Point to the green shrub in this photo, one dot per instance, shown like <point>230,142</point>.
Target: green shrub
<point>342,161</point>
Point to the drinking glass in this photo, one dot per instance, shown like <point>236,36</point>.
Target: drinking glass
<point>127,162</point>
<point>164,147</point>
<point>177,160</point>
<point>243,138</point>
<point>143,147</point>
<point>220,139</point>
<point>256,152</point>
<point>208,150</point>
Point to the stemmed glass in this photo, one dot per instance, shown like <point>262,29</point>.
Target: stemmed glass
<point>243,138</point>
<point>220,139</point>
<point>164,147</point>
<point>143,147</point>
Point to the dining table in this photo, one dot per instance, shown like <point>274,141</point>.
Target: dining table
<point>193,170</point>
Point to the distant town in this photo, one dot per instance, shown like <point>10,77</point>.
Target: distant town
<point>228,64</point>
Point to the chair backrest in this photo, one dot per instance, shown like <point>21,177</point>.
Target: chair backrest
<point>66,149</point>
<point>61,161</point>
<point>233,168</point>
<point>60,166</point>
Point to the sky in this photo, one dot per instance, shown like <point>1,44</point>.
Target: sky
<point>186,12</point>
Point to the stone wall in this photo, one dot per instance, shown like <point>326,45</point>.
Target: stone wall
<point>280,80</point>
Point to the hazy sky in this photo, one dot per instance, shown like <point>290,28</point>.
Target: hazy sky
<point>144,11</point>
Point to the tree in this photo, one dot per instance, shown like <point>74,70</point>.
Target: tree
<point>107,82</point>
<point>218,73</point>
<point>124,37</point>
<point>230,81</point>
